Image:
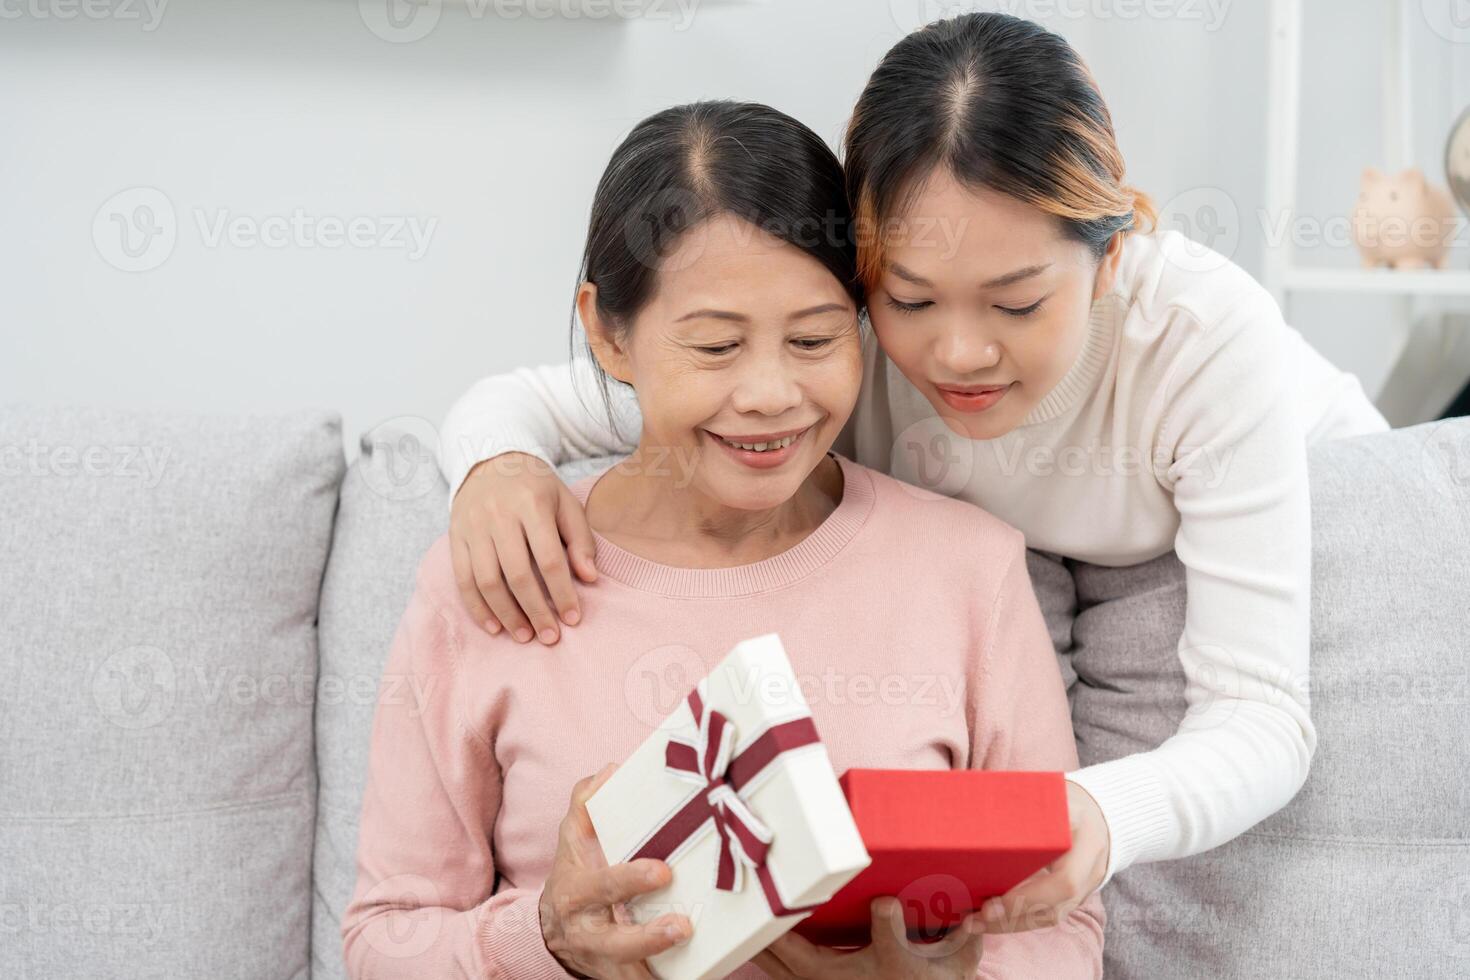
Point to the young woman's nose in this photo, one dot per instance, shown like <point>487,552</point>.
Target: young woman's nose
<point>965,349</point>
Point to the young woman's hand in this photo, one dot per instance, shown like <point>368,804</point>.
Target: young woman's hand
<point>890,956</point>
<point>1049,896</point>
<point>583,920</point>
<point>508,523</point>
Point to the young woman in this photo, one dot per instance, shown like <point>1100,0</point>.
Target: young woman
<point>1108,392</point>
<point>733,326</point>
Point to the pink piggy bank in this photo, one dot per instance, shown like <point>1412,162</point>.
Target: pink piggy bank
<point>1402,221</point>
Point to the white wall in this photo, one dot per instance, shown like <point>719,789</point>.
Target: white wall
<point>492,132</point>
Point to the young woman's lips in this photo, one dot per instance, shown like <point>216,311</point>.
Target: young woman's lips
<point>756,459</point>
<point>974,401</point>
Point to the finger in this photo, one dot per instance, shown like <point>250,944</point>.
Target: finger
<point>800,956</point>
<point>490,579</point>
<point>556,571</point>
<point>630,944</point>
<point>571,521</point>
<point>469,593</point>
<point>772,966</point>
<point>1037,903</point>
<point>969,955</point>
<point>520,575</point>
<point>621,882</point>
<point>889,931</point>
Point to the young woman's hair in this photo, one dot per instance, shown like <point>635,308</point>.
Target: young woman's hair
<point>681,167</point>
<point>1002,103</point>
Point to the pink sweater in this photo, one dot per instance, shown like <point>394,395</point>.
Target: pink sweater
<point>908,617</point>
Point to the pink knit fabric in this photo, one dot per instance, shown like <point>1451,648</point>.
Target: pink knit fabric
<point>910,622</point>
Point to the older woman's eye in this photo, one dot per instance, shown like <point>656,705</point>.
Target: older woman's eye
<point>716,350</point>
<point>813,343</point>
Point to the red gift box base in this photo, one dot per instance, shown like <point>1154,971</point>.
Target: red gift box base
<point>942,842</point>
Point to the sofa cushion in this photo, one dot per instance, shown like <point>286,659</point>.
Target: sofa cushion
<point>1366,872</point>
<point>159,595</point>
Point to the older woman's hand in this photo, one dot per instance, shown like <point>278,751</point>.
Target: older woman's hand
<point>890,956</point>
<point>583,920</point>
<point>512,526</point>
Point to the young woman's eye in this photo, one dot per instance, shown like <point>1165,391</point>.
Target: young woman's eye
<point>1021,311</point>
<point>903,307</point>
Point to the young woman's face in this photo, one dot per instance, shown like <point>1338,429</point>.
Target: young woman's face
<point>983,304</point>
<point>746,339</point>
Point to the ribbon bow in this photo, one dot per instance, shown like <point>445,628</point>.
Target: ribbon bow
<point>710,761</point>
<point>744,840</point>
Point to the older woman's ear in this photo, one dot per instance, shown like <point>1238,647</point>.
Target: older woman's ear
<point>602,336</point>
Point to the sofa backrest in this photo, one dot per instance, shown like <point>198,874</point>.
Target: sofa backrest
<point>159,578</point>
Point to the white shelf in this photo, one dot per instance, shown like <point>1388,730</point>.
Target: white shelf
<point>1387,282</point>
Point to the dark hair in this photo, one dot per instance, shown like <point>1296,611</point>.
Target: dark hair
<point>685,165</point>
<point>1002,103</point>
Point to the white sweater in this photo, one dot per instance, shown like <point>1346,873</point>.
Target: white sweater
<point>1182,425</point>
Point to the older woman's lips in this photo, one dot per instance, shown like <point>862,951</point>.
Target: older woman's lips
<point>756,458</point>
<point>974,401</point>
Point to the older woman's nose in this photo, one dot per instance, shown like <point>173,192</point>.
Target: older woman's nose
<point>768,388</point>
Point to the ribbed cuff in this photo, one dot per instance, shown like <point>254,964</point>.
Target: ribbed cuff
<point>510,940</point>
<point>1134,802</point>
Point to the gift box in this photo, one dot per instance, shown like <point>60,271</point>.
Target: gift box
<point>942,842</point>
<point>735,790</point>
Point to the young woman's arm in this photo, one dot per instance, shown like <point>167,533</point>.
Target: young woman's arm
<point>1020,719</point>
<point>1239,481</point>
<point>554,412</point>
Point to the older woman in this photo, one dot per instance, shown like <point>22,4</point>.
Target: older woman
<point>909,617</point>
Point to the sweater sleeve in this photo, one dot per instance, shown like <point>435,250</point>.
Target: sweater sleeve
<point>554,412</point>
<point>425,904</point>
<point>1236,465</point>
<point>1022,721</point>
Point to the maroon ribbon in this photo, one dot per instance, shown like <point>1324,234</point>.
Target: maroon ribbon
<point>744,839</point>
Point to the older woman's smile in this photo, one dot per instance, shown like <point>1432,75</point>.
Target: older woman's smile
<point>761,450</point>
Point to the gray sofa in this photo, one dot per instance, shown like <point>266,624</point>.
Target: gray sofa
<point>196,610</point>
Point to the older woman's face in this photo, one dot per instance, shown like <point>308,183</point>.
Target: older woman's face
<point>747,340</point>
